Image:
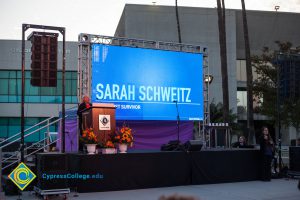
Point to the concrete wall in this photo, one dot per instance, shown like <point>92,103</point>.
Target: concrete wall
<point>265,28</point>
<point>199,26</point>
<point>10,55</point>
<point>10,59</point>
<point>32,109</point>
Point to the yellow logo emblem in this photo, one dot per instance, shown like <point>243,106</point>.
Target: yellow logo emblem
<point>22,176</point>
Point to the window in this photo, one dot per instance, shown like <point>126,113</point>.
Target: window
<point>3,127</point>
<point>241,73</point>
<point>10,90</point>
<point>10,126</point>
<point>4,86</point>
<point>241,102</point>
<point>241,70</point>
<point>242,98</point>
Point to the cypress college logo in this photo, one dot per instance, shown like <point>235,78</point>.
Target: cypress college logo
<point>22,176</point>
<point>104,122</point>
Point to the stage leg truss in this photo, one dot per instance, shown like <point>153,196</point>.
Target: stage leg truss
<point>84,65</point>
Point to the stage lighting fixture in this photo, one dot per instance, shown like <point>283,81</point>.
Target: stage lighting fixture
<point>208,79</point>
<point>84,38</point>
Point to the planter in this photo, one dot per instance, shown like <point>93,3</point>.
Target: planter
<point>123,148</point>
<point>109,151</point>
<point>91,148</point>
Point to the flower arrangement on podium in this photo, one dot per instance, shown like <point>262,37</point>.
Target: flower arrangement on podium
<point>90,140</point>
<point>124,137</point>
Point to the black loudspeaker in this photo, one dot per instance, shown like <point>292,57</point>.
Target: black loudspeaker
<point>52,164</point>
<point>43,59</point>
<point>193,145</point>
<point>294,154</point>
<point>173,145</point>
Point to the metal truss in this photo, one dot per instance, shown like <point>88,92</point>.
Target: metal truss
<point>204,133</point>
<point>84,63</point>
<point>84,70</point>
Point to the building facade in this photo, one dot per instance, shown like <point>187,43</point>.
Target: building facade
<point>40,102</point>
<point>199,26</point>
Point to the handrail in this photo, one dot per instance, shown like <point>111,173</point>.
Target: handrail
<point>28,155</point>
<point>42,140</point>
<point>41,148</point>
<point>26,129</point>
<point>72,107</point>
<point>55,121</point>
<point>16,153</point>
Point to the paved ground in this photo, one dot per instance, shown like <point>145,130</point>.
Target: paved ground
<point>278,189</point>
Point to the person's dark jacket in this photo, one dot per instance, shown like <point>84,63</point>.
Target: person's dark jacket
<point>266,147</point>
<point>239,145</point>
<point>81,107</point>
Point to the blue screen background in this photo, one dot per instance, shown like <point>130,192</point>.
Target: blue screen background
<point>149,67</point>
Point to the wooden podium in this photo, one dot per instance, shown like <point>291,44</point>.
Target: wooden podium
<point>102,118</point>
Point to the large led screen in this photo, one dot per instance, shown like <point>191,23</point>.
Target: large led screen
<point>146,84</point>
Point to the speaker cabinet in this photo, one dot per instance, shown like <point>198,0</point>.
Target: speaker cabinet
<point>193,145</point>
<point>294,158</point>
<point>52,164</point>
<point>43,59</point>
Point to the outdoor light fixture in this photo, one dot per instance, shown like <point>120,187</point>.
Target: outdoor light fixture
<point>277,8</point>
<point>208,78</point>
<point>84,38</point>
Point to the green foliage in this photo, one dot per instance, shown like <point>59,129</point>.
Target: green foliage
<point>216,115</point>
<point>265,87</point>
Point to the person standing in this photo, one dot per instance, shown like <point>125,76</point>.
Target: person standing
<point>267,151</point>
<point>84,105</point>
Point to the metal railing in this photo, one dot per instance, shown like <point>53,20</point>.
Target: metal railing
<point>26,130</point>
<point>43,143</point>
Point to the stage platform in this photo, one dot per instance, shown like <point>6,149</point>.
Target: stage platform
<point>138,170</point>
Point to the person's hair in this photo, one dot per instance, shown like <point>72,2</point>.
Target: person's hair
<point>82,99</point>
<point>244,138</point>
<point>263,128</point>
<point>269,135</point>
